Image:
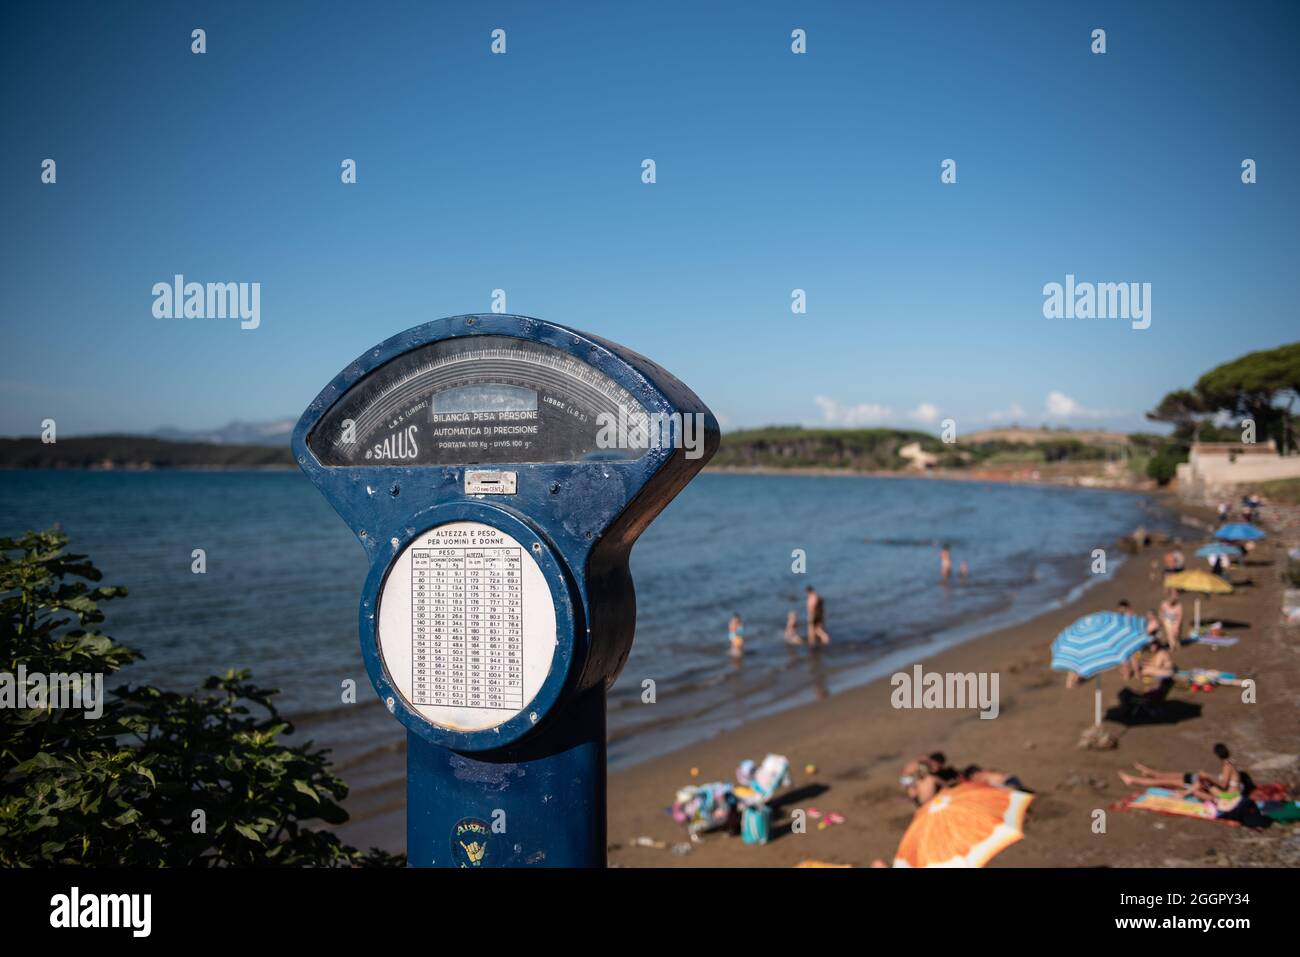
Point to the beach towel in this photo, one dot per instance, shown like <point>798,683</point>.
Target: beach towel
<point>1214,641</point>
<point>1164,801</point>
<point>1270,791</point>
<point>1284,811</point>
<point>813,863</point>
<point>1207,676</point>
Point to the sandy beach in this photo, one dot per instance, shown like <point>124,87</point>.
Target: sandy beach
<point>856,743</point>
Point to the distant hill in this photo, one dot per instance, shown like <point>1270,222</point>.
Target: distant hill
<point>861,450</point>
<point>888,450</point>
<point>776,447</point>
<point>235,432</point>
<point>1020,436</point>
<point>136,452</point>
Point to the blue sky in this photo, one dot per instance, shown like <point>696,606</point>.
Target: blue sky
<point>523,172</point>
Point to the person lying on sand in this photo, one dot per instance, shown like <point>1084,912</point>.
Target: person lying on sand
<point>924,775</point>
<point>936,763</point>
<point>1226,793</point>
<point>995,779</point>
<point>921,784</point>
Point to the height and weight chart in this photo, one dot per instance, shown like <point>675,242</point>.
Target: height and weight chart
<point>466,625</point>
<point>467,633</point>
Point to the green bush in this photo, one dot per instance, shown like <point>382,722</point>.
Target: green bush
<point>160,778</point>
<point>1164,464</point>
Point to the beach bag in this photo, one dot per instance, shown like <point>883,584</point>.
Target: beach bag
<point>755,825</point>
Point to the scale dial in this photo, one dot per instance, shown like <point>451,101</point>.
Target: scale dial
<point>473,400</point>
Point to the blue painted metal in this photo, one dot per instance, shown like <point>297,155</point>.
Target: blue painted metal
<point>542,774</point>
<point>548,791</point>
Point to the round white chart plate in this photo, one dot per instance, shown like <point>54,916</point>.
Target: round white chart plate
<point>467,626</point>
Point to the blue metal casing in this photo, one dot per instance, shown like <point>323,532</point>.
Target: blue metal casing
<point>581,519</point>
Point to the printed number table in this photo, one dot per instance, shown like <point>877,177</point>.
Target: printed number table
<point>467,635</point>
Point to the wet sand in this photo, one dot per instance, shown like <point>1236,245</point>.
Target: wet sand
<point>857,743</point>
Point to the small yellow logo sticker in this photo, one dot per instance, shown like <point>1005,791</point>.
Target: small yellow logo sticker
<point>469,841</point>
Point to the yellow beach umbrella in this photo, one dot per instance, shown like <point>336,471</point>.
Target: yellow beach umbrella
<point>963,826</point>
<point>1202,582</point>
<point>1198,580</point>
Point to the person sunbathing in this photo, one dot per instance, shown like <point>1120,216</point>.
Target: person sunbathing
<point>925,776</point>
<point>921,784</point>
<point>936,763</point>
<point>995,779</point>
<point>1198,784</point>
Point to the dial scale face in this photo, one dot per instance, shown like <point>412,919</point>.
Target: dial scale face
<point>475,400</point>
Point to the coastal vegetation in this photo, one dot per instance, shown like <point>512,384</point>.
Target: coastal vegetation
<point>141,776</point>
<point>137,452</point>
<point>1250,388</point>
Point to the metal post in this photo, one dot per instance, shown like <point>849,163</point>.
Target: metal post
<point>538,803</point>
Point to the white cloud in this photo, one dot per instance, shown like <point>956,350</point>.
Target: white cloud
<point>926,412</point>
<point>852,416</point>
<point>1061,406</point>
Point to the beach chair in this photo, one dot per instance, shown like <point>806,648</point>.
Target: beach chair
<point>772,774</point>
<point>1149,705</point>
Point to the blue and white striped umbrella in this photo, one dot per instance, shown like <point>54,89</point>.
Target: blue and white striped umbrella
<point>1096,642</point>
<point>1239,532</point>
<point>1217,548</point>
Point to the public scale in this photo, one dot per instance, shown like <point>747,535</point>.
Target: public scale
<point>498,469</point>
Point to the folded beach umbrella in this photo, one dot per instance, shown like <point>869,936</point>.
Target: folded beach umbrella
<point>1218,548</point>
<point>1097,642</point>
<point>1239,532</point>
<point>1201,582</point>
<point>963,826</point>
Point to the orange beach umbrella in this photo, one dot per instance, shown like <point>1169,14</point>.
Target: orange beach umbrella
<point>963,826</point>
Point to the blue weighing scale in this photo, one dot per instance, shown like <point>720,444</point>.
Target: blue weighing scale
<point>498,469</point>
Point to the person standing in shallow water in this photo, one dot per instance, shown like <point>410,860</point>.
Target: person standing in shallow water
<point>945,562</point>
<point>816,616</point>
<point>736,635</point>
<point>792,629</point>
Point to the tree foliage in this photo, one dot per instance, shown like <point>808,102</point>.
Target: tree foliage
<point>1251,386</point>
<point>160,778</point>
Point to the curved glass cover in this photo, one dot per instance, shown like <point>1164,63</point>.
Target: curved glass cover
<point>475,400</point>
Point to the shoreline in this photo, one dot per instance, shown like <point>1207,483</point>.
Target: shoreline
<point>842,677</point>
<point>857,742</point>
<point>933,475</point>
